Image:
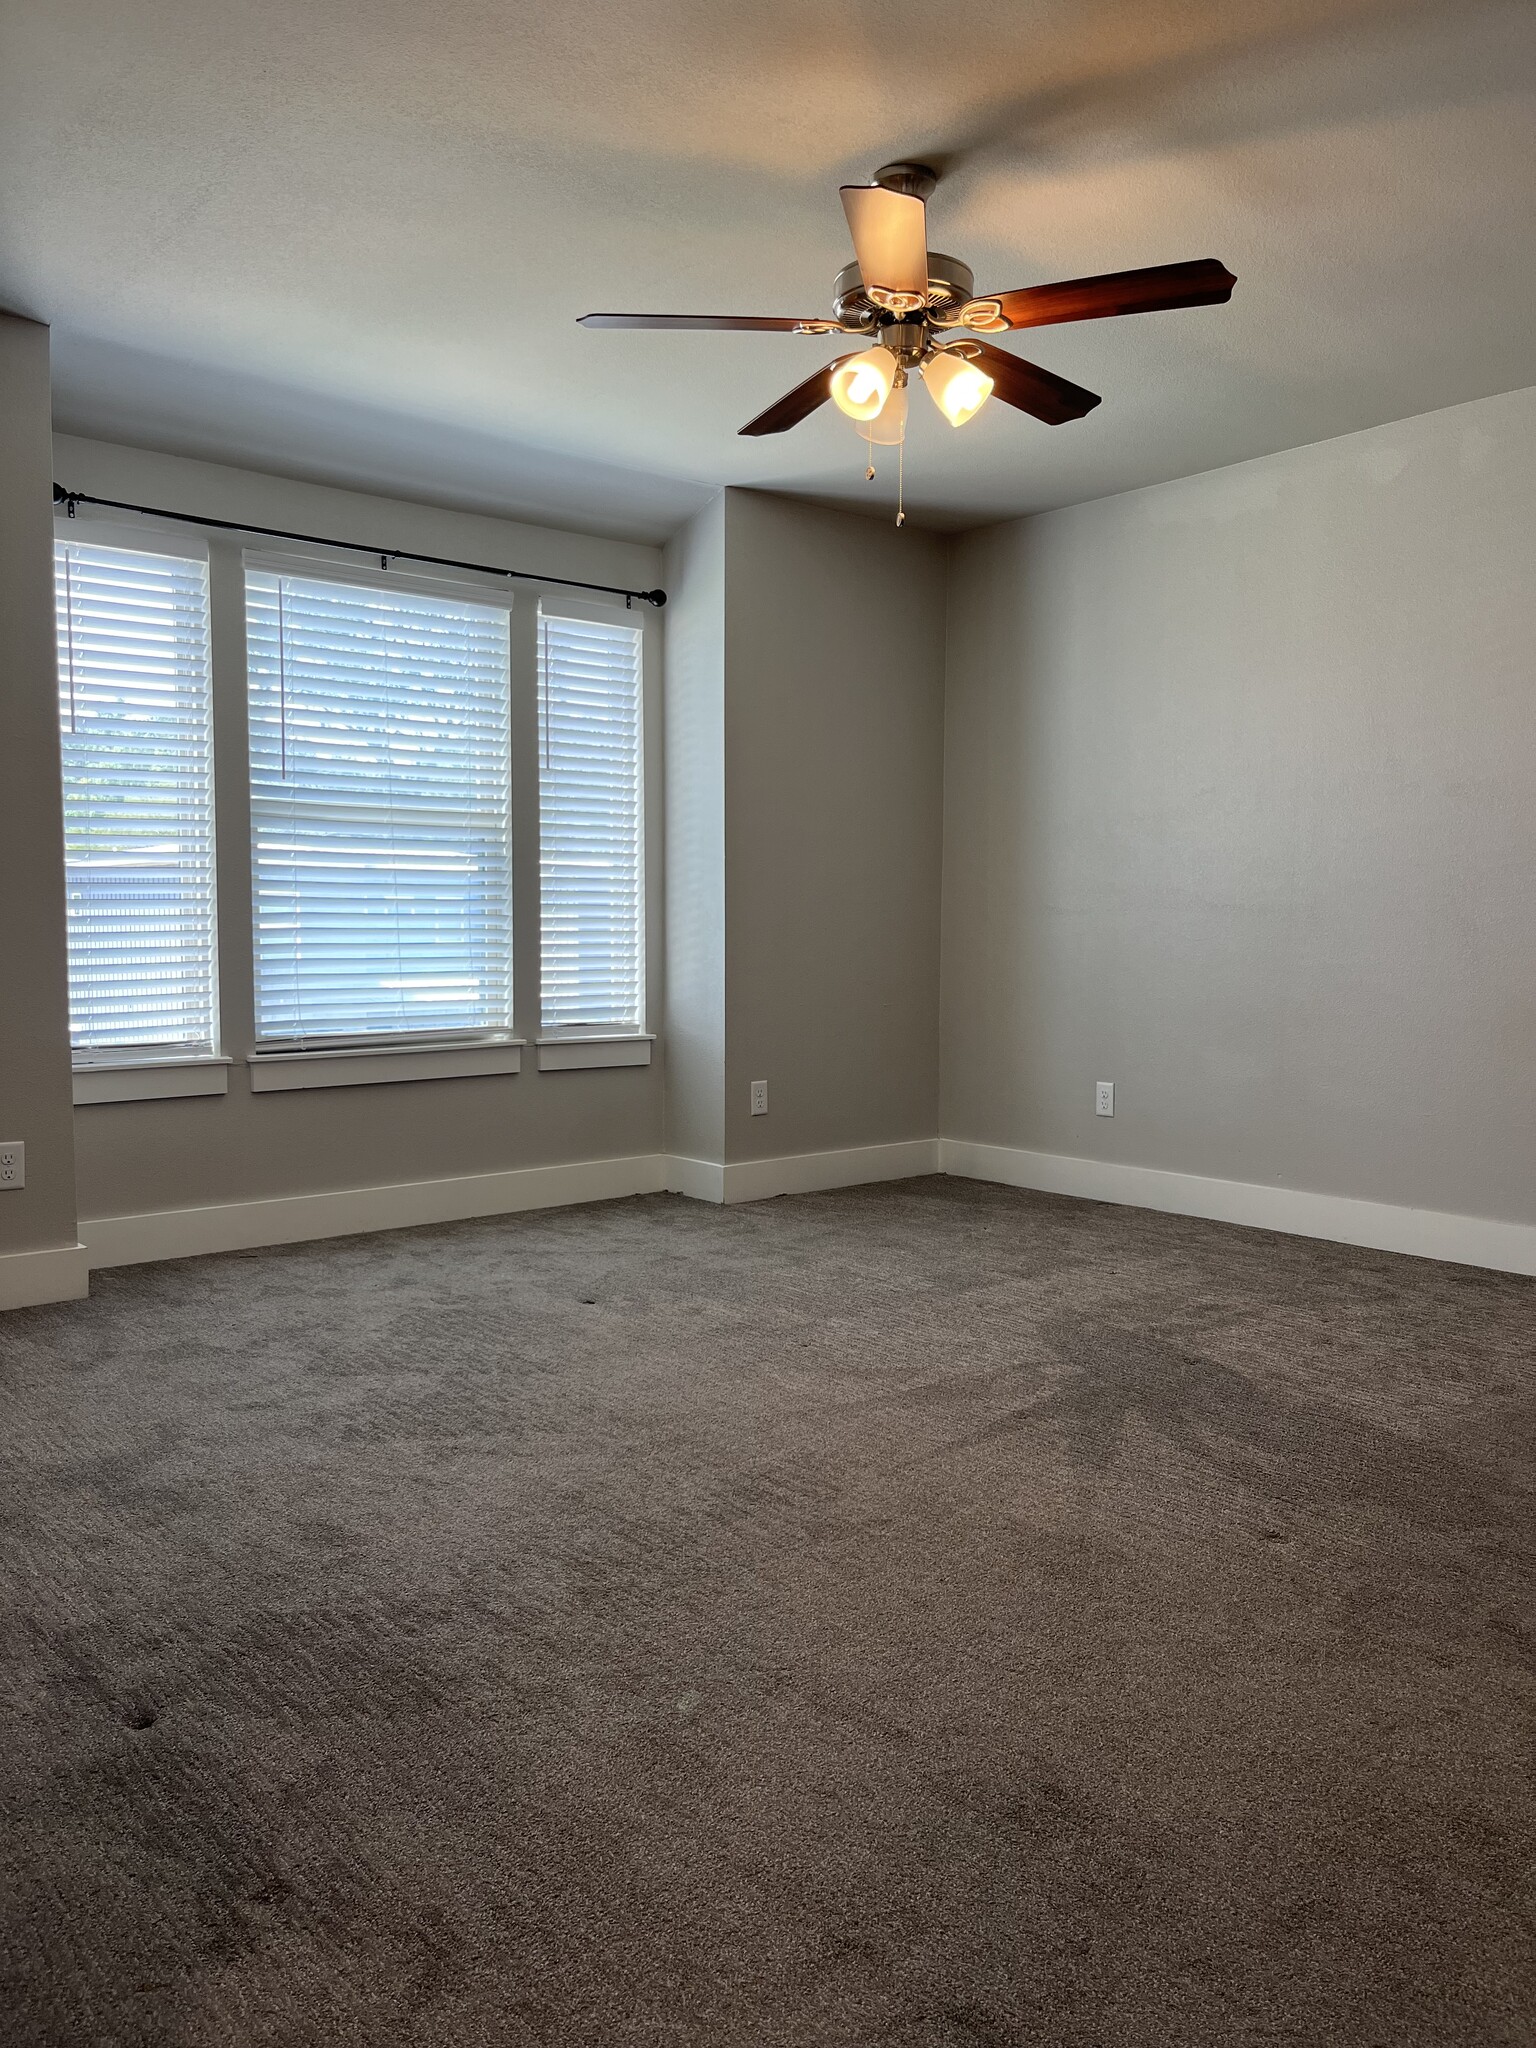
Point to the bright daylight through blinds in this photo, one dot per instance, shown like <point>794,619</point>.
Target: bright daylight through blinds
<point>137,741</point>
<point>590,836</point>
<point>379,811</point>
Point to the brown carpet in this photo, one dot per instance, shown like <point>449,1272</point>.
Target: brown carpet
<point>930,1616</point>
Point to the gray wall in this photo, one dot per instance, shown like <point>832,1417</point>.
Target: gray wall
<point>834,785</point>
<point>1240,791</point>
<point>797,821</point>
<point>805,678</point>
<point>695,837</point>
<point>158,1155</point>
<point>1231,784</point>
<point>34,1000</point>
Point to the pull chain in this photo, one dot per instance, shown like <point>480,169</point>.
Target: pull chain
<point>901,480</point>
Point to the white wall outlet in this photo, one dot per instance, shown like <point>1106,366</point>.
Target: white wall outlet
<point>759,1098</point>
<point>1104,1098</point>
<point>13,1164</point>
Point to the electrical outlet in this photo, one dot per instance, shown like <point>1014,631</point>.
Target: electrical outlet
<point>759,1098</point>
<point>1104,1098</point>
<point>13,1164</point>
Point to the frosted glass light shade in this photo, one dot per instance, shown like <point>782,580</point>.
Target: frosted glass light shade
<point>860,387</point>
<point>959,388</point>
<point>888,429</point>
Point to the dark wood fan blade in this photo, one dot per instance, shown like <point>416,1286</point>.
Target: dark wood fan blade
<point>757,323</point>
<point>798,404</point>
<point>1033,390</point>
<point>890,238</point>
<point>1157,290</point>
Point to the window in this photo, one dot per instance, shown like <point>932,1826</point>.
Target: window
<point>379,811</point>
<point>135,709</point>
<point>591,866</point>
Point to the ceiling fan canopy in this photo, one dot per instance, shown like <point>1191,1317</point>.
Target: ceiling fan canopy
<point>919,312</point>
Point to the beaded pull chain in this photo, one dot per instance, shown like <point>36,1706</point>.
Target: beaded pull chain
<point>901,470</point>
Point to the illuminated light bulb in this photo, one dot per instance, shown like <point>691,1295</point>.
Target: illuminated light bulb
<point>861,386</point>
<point>888,429</point>
<point>959,388</point>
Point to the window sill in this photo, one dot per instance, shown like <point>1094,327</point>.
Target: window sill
<point>151,1080</point>
<point>561,1055</point>
<point>355,1066</point>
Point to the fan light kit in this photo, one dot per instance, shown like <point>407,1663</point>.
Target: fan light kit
<point>922,315</point>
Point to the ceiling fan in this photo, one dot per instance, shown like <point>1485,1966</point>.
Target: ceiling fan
<point>921,313</point>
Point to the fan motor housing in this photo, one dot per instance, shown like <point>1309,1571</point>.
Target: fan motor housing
<point>950,285</point>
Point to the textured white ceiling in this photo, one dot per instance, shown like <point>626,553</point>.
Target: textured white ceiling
<point>349,238</point>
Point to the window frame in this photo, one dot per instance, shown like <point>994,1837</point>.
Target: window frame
<point>340,1059</point>
<point>137,1078</point>
<point>129,1072</point>
<point>576,1046</point>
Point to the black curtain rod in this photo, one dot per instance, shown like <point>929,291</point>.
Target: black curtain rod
<point>70,499</point>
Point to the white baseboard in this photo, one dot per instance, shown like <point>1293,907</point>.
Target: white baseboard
<point>701,1179</point>
<point>803,1173</point>
<point>29,1279</point>
<point>800,1173</point>
<point>1382,1226</point>
<point>293,1219</point>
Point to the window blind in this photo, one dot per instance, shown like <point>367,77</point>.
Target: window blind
<point>135,710</point>
<point>591,879</point>
<point>379,811</point>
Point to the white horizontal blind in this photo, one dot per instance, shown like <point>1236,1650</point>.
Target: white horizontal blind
<point>379,742</point>
<point>135,710</point>
<point>591,879</point>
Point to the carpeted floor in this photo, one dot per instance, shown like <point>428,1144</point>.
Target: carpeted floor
<point>924,1616</point>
